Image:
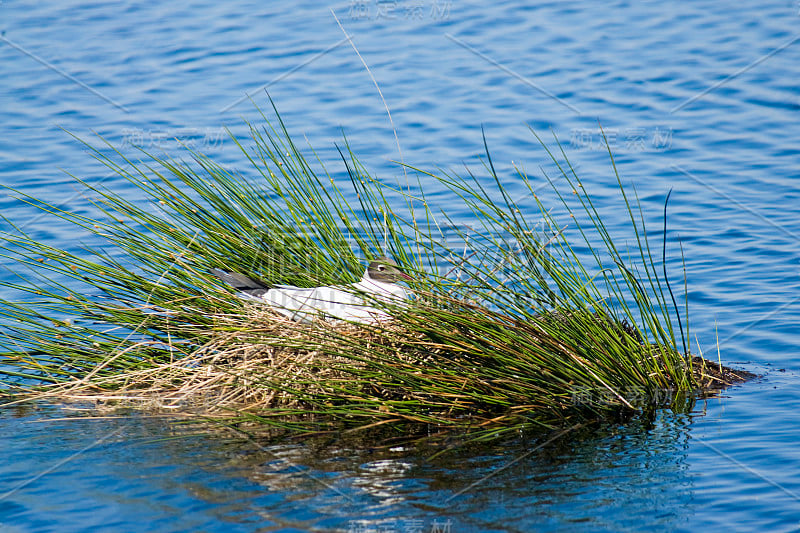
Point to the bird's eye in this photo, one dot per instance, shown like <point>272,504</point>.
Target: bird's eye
<point>381,268</point>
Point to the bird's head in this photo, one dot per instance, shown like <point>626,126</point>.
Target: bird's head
<point>385,270</point>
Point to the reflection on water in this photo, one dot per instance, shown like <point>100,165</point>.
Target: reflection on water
<point>137,466</point>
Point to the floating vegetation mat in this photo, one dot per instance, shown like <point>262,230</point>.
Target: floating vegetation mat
<point>531,318</point>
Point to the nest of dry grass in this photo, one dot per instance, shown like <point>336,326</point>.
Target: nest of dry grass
<point>259,362</point>
<point>255,361</point>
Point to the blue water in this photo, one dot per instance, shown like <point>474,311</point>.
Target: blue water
<point>695,97</point>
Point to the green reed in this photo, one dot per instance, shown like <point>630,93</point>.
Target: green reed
<point>531,318</point>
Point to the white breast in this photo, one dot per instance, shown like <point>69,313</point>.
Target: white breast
<point>351,303</point>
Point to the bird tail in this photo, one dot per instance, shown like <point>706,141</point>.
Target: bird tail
<point>248,286</point>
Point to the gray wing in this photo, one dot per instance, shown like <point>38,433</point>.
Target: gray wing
<point>245,284</point>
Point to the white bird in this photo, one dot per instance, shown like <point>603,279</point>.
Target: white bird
<point>343,302</point>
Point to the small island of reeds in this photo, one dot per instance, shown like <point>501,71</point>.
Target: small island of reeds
<point>528,319</point>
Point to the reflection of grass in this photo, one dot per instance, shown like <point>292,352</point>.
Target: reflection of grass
<point>526,325</point>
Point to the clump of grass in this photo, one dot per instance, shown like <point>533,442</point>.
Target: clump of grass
<point>512,327</point>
